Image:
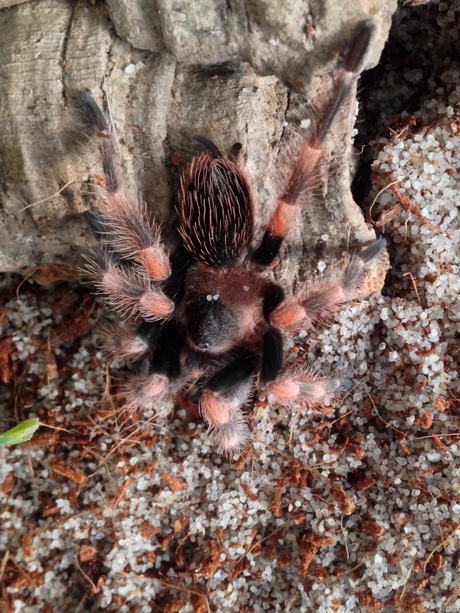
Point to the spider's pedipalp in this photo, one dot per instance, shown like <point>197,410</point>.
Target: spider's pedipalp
<point>309,154</point>
<point>304,386</point>
<point>216,210</point>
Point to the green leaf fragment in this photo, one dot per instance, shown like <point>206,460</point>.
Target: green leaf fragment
<point>21,433</point>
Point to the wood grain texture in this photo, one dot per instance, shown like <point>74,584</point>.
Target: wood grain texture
<point>230,71</point>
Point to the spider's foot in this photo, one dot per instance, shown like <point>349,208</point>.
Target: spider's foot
<point>146,391</point>
<point>125,342</point>
<point>225,419</point>
<point>304,386</point>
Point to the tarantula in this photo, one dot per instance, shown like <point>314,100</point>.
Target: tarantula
<point>210,306</point>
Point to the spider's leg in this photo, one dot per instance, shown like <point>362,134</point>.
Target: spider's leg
<point>210,146</point>
<point>321,298</point>
<point>304,386</point>
<point>272,348</point>
<point>130,261</point>
<point>286,211</point>
<point>125,289</point>
<point>123,218</point>
<point>97,122</point>
<point>145,390</point>
<point>272,354</point>
<point>122,340</point>
<point>222,398</point>
<point>300,385</point>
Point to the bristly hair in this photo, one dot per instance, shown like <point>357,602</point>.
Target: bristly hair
<point>302,385</point>
<point>216,211</point>
<point>133,234</point>
<point>124,289</point>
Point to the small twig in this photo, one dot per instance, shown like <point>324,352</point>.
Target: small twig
<point>93,586</point>
<point>451,597</point>
<point>344,537</point>
<point>406,202</point>
<point>3,564</point>
<point>167,584</point>
<point>443,543</point>
<point>381,192</point>
<point>414,284</point>
<point>49,197</point>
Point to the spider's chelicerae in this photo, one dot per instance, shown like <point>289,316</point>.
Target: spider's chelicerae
<point>211,306</point>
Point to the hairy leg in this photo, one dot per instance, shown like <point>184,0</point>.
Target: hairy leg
<point>305,387</point>
<point>222,398</point>
<point>322,298</point>
<point>309,156</point>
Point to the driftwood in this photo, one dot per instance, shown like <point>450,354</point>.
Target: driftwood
<point>230,71</point>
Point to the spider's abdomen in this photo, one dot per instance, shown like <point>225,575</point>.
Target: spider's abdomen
<point>216,210</point>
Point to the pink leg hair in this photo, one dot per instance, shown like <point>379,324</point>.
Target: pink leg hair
<point>304,386</point>
<point>125,217</point>
<point>121,341</point>
<point>225,419</point>
<point>125,290</point>
<point>231,437</point>
<point>322,298</point>
<point>133,233</point>
<point>310,154</point>
<point>145,391</point>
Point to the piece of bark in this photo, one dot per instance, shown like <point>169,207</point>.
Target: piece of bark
<point>224,70</point>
